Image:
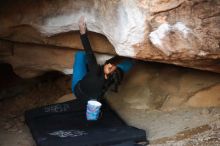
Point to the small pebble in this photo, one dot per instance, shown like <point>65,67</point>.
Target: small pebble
<point>13,129</point>
<point>7,126</point>
<point>205,112</point>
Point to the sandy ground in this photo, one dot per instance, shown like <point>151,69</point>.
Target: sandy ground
<point>180,127</point>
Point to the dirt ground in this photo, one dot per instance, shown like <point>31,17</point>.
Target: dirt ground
<point>26,94</point>
<point>180,127</point>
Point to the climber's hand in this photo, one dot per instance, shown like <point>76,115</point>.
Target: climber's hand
<point>82,25</point>
<point>109,69</point>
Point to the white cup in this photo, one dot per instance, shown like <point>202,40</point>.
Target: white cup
<point>93,110</point>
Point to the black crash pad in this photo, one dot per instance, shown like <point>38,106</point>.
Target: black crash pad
<point>65,124</point>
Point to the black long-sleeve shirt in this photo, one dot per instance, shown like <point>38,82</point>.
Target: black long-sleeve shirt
<point>91,86</point>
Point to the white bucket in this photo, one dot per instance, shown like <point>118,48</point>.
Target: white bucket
<point>93,110</point>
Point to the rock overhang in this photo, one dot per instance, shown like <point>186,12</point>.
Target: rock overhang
<point>177,32</point>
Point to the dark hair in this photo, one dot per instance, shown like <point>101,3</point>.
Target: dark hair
<point>114,60</point>
<point>113,81</point>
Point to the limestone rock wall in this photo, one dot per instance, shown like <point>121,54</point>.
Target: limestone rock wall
<point>181,32</point>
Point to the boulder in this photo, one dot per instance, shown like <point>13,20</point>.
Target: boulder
<point>175,105</point>
<point>182,32</point>
<point>154,86</point>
